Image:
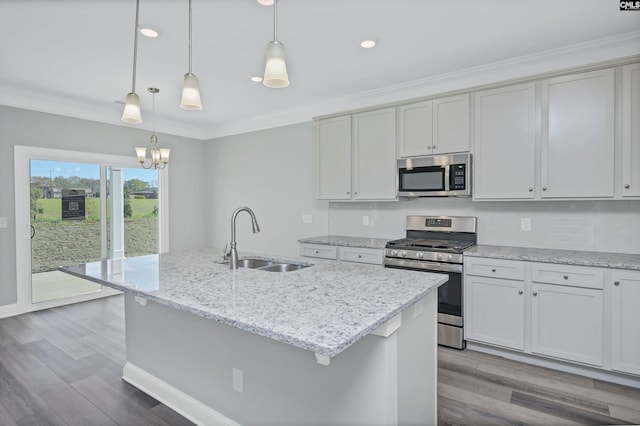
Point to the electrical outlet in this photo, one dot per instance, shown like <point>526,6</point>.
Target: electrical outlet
<point>237,380</point>
<point>3,222</point>
<point>307,218</point>
<point>525,224</point>
<point>365,220</point>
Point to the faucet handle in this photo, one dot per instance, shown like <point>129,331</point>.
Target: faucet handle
<point>226,253</point>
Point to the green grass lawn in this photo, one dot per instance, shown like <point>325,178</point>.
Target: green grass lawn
<point>52,209</point>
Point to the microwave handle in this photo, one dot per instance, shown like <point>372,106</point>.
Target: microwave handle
<point>447,177</point>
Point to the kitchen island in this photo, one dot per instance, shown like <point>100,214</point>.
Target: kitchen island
<point>333,343</point>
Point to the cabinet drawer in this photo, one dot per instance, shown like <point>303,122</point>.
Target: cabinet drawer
<point>361,255</point>
<point>574,276</point>
<point>319,250</point>
<point>496,268</point>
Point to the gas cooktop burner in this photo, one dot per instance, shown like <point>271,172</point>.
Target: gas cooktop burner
<point>431,244</point>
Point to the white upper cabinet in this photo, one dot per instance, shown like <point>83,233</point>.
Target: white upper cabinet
<point>374,164</point>
<point>334,158</point>
<point>439,126</point>
<point>504,151</point>
<point>357,156</point>
<point>631,131</point>
<point>577,138</point>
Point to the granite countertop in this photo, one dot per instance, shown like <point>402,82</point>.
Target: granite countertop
<point>324,308</point>
<point>566,257</point>
<point>340,240</point>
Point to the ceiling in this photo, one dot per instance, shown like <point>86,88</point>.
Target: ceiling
<point>74,57</point>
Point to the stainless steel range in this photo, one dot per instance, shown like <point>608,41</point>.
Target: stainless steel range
<point>435,244</point>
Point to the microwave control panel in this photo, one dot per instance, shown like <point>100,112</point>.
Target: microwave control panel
<point>457,177</point>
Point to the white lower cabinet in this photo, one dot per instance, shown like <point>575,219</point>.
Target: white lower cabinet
<point>553,310</point>
<point>625,321</point>
<point>501,323</point>
<point>567,322</point>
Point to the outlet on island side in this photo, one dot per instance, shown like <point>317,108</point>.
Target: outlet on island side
<point>237,380</point>
<point>365,220</point>
<point>525,224</point>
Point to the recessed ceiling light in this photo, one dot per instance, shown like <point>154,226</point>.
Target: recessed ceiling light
<point>149,31</point>
<point>368,44</point>
<point>256,78</point>
<point>266,2</point>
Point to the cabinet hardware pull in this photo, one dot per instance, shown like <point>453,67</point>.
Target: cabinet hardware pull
<point>348,192</point>
<point>566,277</point>
<point>544,188</point>
<point>616,283</point>
<point>520,292</point>
<point>627,186</point>
<point>434,147</point>
<point>535,293</point>
<point>530,189</point>
<point>317,252</point>
<point>359,256</point>
<point>493,269</point>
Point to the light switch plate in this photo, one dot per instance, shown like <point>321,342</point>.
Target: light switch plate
<point>307,218</point>
<point>3,222</point>
<point>525,224</point>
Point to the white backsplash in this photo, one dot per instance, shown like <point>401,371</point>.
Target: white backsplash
<point>604,226</point>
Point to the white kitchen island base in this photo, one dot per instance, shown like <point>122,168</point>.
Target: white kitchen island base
<point>215,374</point>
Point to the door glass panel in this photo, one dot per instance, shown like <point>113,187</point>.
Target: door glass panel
<point>65,226</point>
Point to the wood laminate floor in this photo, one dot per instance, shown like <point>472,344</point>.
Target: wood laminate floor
<point>63,366</point>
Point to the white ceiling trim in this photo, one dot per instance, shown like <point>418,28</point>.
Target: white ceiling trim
<point>578,55</point>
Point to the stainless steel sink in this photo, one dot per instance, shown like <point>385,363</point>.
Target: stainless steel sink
<point>270,265</point>
<point>283,267</point>
<point>254,263</point>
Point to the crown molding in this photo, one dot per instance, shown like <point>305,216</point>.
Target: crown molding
<point>601,51</point>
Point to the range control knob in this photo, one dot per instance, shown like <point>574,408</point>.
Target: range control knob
<point>439,257</point>
<point>420,255</point>
<point>403,254</point>
<point>449,257</point>
<point>394,252</point>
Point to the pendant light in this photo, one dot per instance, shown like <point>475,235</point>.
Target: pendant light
<point>275,70</point>
<point>191,85</point>
<point>131,113</point>
<point>157,154</point>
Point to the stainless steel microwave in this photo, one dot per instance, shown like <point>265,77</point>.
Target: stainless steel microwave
<point>435,176</point>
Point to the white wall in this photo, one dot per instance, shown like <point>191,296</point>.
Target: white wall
<point>273,173</point>
<point>186,174</point>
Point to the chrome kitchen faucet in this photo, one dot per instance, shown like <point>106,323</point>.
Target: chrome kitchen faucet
<point>233,256</point>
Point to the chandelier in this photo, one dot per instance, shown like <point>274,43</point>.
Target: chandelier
<point>158,155</point>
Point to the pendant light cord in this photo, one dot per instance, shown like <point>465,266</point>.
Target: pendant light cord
<point>275,20</point>
<point>190,37</point>
<point>135,48</point>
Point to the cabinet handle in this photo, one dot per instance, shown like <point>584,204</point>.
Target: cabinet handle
<point>317,252</point>
<point>520,292</point>
<point>627,186</point>
<point>530,189</point>
<point>348,192</point>
<point>616,283</point>
<point>535,293</point>
<point>359,256</point>
<point>544,188</point>
<point>493,269</point>
<point>434,147</point>
<point>566,277</point>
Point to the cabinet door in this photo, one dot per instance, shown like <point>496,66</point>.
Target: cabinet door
<point>578,135</point>
<point>415,129</point>
<point>567,323</point>
<point>334,158</point>
<point>631,131</point>
<point>495,311</point>
<point>451,124</point>
<point>625,324</point>
<point>504,150</point>
<point>375,155</point>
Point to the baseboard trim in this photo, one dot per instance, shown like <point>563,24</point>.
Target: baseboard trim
<point>592,372</point>
<point>185,405</point>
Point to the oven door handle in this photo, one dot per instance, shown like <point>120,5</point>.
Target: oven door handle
<point>423,265</point>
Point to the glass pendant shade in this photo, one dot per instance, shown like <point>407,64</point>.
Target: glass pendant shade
<point>191,93</point>
<point>141,153</point>
<point>275,70</point>
<point>131,113</point>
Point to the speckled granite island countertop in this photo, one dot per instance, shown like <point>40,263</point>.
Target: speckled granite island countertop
<point>324,308</point>
<point>566,257</point>
<point>339,240</point>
